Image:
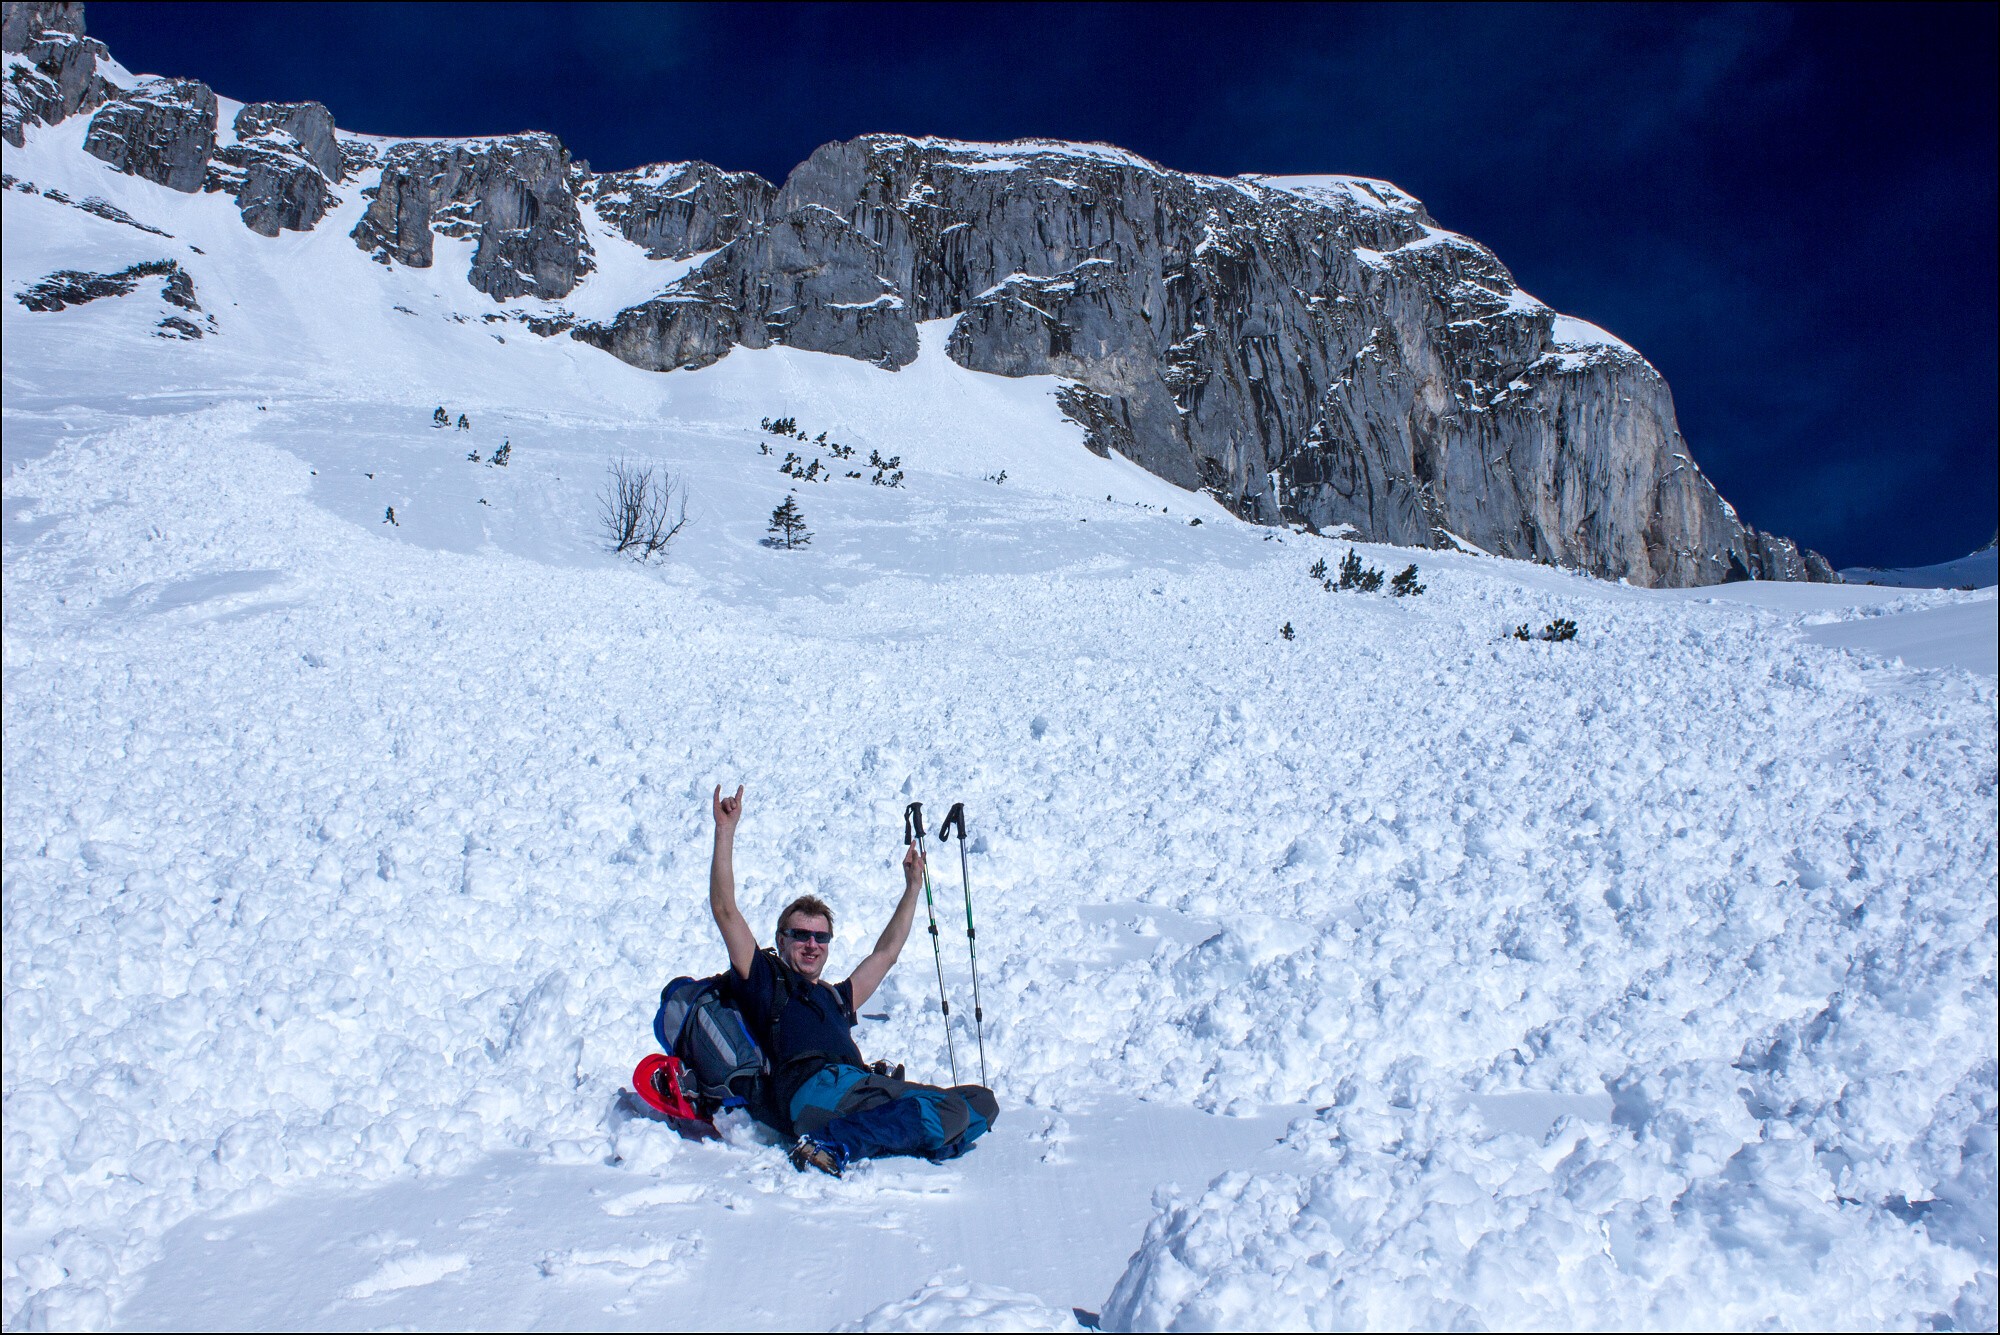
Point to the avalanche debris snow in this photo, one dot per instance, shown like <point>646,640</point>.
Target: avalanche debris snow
<point>1433,978</point>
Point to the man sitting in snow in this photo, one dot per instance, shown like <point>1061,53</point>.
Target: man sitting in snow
<point>823,1092</point>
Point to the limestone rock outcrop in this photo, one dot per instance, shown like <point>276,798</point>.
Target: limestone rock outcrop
<point>282,168</point>
<point>682,208</point>
<point>56,75</point>
<point>1307,349</point>
<point>75,287</point>
<point>163,131</point>
<point>806,280</point>
<point>515,196</point>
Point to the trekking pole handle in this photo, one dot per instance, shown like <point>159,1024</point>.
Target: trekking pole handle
<point>913,820</point>
<point>956,816</point>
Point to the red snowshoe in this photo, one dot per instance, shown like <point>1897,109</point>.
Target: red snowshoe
<point>658,1080</point>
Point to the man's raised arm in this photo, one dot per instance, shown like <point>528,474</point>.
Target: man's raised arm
<point>890,944</point>
<point>736,933</point>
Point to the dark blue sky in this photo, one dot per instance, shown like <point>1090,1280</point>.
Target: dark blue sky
<point>1791,211</point>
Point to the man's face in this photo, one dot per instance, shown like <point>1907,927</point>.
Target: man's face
<point>808,957</point>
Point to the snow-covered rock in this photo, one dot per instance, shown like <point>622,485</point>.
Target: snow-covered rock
<point>512,196</point>
<point>162,131</point>
<point>52,67</point>
<point>282,167</point>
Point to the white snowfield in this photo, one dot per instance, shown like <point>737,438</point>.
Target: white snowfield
<point>1978,570</point>
<point>1398,974</point>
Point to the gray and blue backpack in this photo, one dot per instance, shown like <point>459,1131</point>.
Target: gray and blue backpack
<point>724,1065</point>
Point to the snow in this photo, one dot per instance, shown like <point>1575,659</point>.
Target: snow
<point>1574,335</point>
<point>1017,153</point>
<point>624,275</point>
<point>942,1306</point>
<point>1401,974</point>
<point>1579,344</point>
<point>1343,192</point>
<point>1963,635</point>
<point>1065,1197</point>
<point>1980,570</point>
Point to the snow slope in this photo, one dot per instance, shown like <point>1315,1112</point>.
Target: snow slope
<point>1980,570</point>
<point>1430,976</point>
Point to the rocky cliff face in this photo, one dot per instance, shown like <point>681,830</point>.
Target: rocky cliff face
<point>681,208</point>
<point>1309,349</point>
<point>51,67</point>
<point>1312,350</point>
<point>162,131</point>
<point>514,196</point>
<point>282,168</point>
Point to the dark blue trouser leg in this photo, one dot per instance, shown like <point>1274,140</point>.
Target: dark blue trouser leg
<point>877,1115</point>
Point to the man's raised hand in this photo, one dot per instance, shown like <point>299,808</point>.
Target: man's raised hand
<point>736,933</point>
<point>728,810</point>
<point>913,866</point>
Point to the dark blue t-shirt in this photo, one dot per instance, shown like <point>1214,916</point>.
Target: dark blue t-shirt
<point>817,1018</point>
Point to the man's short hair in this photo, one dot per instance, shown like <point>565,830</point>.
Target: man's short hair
<point>811,906</point>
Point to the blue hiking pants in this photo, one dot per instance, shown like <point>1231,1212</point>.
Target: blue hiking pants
<point>872,1115</point>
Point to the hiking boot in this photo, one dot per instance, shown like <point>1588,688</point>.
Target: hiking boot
<point>827,1156</point>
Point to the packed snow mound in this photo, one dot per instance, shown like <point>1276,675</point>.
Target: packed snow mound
<point>940,1305</point>
<point>1689,1213</point>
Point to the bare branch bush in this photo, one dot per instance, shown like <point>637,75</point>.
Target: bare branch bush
<point>640,510</point>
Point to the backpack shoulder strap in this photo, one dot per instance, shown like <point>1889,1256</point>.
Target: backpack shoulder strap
<point>787,989</point>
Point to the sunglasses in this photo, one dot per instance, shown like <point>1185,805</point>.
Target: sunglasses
<point>802,934</point>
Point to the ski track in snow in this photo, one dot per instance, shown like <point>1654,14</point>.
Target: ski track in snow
<point>1641,981</point>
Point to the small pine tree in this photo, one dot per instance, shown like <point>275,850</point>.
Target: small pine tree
<point>472,456</point>
<point>1371,580</point>
<point>1287,631</point>
<point>1350,570</point>
<point>1559,630</point>
<point>1521,632</point>
<point>464,423</point>
<point>1318,569</point>
<point>440,418</point>
<point>502,455</point>
<point>1405,585</point>
<point>389,515</point>
<point>788,525</point>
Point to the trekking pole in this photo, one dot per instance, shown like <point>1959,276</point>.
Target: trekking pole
<point>956,817</point>
<point>913,833</point>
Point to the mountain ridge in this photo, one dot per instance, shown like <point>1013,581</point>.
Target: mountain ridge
<point>1312,350</point>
